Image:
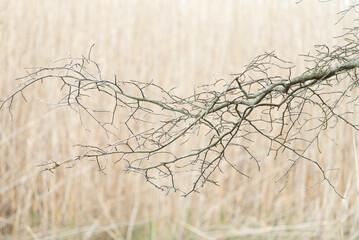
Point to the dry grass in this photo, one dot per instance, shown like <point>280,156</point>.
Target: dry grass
<point>176,43</point>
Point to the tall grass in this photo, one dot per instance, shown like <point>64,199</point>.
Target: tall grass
<point>175,43</point>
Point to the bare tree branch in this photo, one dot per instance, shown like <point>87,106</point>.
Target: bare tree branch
<point>226,114</point>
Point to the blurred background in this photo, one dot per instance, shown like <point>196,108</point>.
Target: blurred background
<point>175,43</point>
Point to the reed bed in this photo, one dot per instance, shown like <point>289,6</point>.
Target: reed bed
<point>179,44</point>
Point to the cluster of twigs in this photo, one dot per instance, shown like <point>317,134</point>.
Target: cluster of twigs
<point>224,115</point>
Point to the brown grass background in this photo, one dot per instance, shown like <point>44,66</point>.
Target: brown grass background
<point>175,43</point>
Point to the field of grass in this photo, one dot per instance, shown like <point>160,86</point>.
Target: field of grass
<point>175,43</point>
